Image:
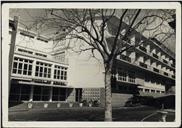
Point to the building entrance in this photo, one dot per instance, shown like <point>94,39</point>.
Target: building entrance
<point>78,95</point>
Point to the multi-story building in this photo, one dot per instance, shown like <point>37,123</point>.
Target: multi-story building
<point>42,71</point>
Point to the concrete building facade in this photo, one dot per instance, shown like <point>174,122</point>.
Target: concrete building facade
<point>42,71</point>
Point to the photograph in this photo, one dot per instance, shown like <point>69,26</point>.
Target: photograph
<point>91,64</point>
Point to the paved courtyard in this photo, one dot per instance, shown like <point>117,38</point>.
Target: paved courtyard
<point>87,114</point>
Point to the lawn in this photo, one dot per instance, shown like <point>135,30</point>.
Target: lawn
<point>86,114</point>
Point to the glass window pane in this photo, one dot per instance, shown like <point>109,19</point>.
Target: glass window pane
<point>19,71</point>
<point>30,67</point>
<point>20,66</point>
<point>29,73</point>
<point>25,66</point>
<point>14,70</point>
<point>49,70</point>
<point>15,65</point>
<point>24,72</point>
<point>41,69</point>
<point>37,69</point>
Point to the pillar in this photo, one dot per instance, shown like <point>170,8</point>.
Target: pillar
<point>31,93</point>
<point>71,95</point>
<point>50,94</point>
<point>33,68</point>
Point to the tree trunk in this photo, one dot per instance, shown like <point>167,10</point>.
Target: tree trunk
<point>108,105</point>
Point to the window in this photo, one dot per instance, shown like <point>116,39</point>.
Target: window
<point>22,66</point>
<point>60,57</point>
<point>60,72</point>
<point>39,54</point>
<point>162,91</point>
<point>153,91</point>
<point>131,77</point>
<point>28,34</point>
<point>59,94</point>
<point>25,51</point>
<point>158,91</point>
<point>43,70</point>
<point>146,90</point>
<point>122,75</point>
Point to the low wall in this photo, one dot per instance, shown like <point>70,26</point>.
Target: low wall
<point>119,99</point>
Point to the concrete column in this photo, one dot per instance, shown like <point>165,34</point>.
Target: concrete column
<point>132,56</point>
<point>52,73</point>
<point>153,51</point>
<point>163,56</point>
<point>31,93</point>
<point>153,64</point>
<point>50,94</point>
<point>33,68</point>
<point>148,48</point>
<point>71,95</point>
<point>147,61</point>
<point>159,54</point>
<point>141,59</point>
<point>167,58</point>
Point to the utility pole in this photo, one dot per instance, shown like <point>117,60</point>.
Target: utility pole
<point>13,24</point>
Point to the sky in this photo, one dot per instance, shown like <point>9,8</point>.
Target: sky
<point>28,17</point>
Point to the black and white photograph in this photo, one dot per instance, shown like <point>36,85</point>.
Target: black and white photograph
<point>91,64</point>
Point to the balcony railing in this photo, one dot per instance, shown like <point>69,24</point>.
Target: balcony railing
<point>143,48</point>
<point>173,76</point>
<point>173,65</point>
<point>143,65</point>
<point>155,55</point>
<point>59,83</point>
<point>165,61</point>
<point>42,81</point>
<point>126,58</point>
<point>156,70</point>
<point>166,74</point>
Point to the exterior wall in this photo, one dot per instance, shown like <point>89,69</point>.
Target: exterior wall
<point>85,71</point>
<point>70,95</point>
<point>91,94</point>
<point>119,99</point>
<point>88,73</point>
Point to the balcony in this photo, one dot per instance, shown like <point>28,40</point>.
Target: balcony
<point>155,55</point>
<point>166,74</point>
<point>126,58</point>
<point>173,76</point>
<point>59,83</point>
<point>165,61</point>
<point>156,70</point>
<point>41,81</point>
<point>143,65</point>
<point>143,48</point>
<point>173,65</point>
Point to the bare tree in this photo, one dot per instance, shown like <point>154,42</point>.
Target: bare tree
<point>95,26</point>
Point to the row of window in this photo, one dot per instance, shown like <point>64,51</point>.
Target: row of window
<point>40,93</point>
<point>157,56</point>
<point>144,65</point>
<point>60,72</point>
<point>24,67</point>
<point>43,70</point>
<point>133,38</point>
<point>30,52</point>
<point>31,35</point>
<point>126,76</point>
<point>145,58</point>
<point>150,90</point>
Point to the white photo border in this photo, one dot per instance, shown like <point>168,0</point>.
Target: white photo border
<point>111,5</point>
